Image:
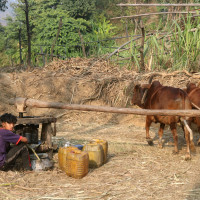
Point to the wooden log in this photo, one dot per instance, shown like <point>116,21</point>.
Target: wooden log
<point>57,105</point>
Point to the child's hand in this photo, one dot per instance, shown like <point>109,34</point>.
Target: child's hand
<point>24,139</point>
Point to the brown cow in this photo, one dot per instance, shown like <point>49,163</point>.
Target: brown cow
<point>163,97</point>
<point>193,92</point>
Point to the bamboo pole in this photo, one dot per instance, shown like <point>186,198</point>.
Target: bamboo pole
<point>157,13</point>
<point>164,4</point>
<point>43,104</point>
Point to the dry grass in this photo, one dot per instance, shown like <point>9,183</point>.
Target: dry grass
<point>134,170</point>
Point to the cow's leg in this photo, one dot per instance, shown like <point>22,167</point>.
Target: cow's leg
<point>160,134</point>
<point>198,125</point>
<point>198,142</point>
<point>187,138</point>
<point>148,124</point>
<point>175,136</point>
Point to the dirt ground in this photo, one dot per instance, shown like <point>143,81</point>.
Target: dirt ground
<point>134,169</point>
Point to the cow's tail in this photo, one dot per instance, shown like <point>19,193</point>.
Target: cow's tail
<point>189,129</point>
<point>185,105</point>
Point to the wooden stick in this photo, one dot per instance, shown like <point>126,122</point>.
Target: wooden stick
<point>34,152</point>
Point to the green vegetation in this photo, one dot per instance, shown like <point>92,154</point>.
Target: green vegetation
<point>171,42</point>
<point>174,50</point>
<point>3,5</point>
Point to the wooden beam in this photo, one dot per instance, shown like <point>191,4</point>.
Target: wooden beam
<point>35,120</point>
<point>158,13</point>
<point>57,105</point>
<point>164,4</point>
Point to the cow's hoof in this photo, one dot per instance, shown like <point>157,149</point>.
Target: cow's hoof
<point>160,145</point>
<point>174,152</point>
<point>150,141</point>
<point>187,157</point>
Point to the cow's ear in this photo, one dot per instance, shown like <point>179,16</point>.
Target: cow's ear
<point>191,86</point>
<point>146,86</point>
<point>137,87</point>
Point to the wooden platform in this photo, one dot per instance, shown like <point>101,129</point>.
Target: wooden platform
<point>47,131</point>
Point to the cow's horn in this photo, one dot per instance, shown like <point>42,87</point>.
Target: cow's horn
<point>151,78</point>
<point>144,96</point>
<point>145,92</point>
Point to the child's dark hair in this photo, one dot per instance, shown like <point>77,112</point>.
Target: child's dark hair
<point>9,118</point>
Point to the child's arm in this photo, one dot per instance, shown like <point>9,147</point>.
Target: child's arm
<point>24,139</point>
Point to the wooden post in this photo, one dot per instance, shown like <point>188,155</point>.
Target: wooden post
<point>43,56</point>
<point>46,134</point>
<point>82,43</point>
<point>142,66</point>
<point>126,28</point>
<point>47,139</point>
<point>20,46</point>
<point>54,42</point>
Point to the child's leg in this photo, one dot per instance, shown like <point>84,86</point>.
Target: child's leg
<point>16,151</point>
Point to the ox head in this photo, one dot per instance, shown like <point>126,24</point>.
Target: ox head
<point>139,94</point>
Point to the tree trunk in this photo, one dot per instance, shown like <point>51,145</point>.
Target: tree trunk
<point>54,42</point>
<point>20,47</point>
<point>28,32</point>
<point>82,43</point>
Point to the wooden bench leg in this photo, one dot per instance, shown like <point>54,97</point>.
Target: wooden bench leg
<point>46,134</point>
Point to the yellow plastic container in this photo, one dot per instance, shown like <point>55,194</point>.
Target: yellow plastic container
<point>62,154</point>
<point>95,152</point>
<point>77,164</point>
<point>104,144</point>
